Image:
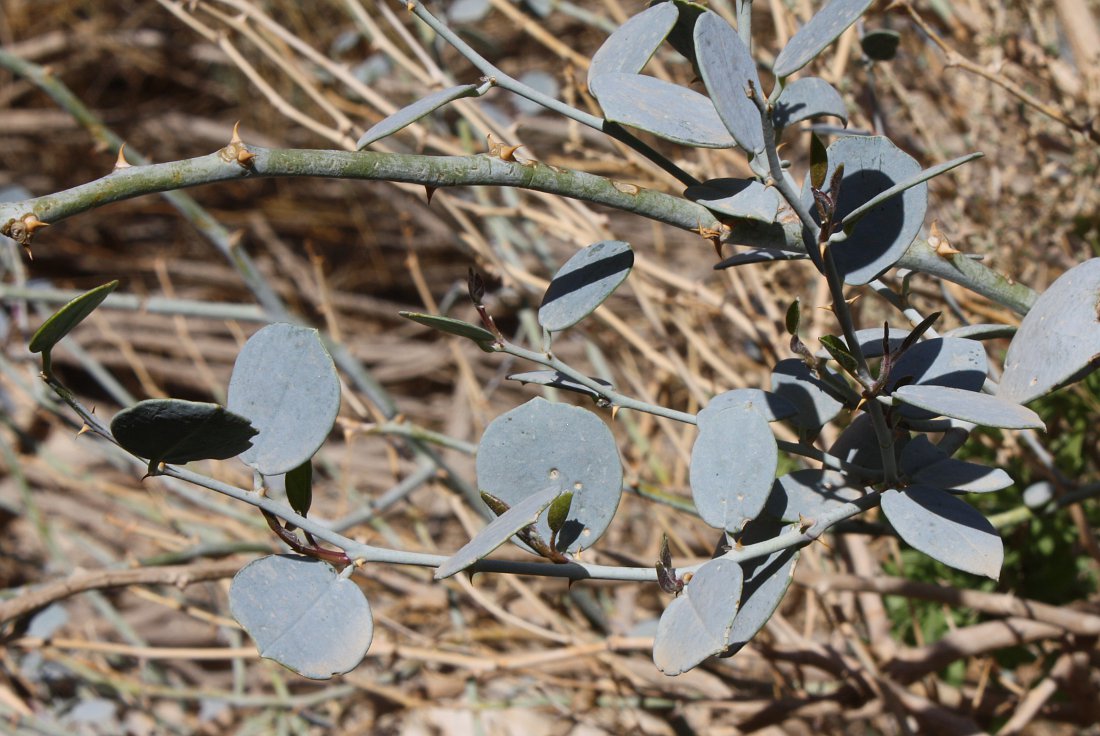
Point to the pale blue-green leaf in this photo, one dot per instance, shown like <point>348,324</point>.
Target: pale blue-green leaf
<point>1038,494</point>
<point>177,431</point>
<point>682,37</point>
<point>759,236</point>
<point>816,403</point>
<point>810,494</point>
<point>733,465</point>
<point>807,98</point>
<point>584,282</point>
<point>853,217</point>
<point>538,443</point>
<point>628,49</point>
<point>870,342</point>
<point>766,580</point>
<point>982,331</point>
<point>989,411</point>
<point>773,408</point>
<point>540,81</point>
<point>302,614</point>
<point>959,475</point>
<point>468,11</point>
<point>698,623</point>
<point>858,444</point>
<point>500,530</point>
<point>758,255</point>
<point>554,379</point>
<point>919,453</point>
<point>824,28</point>
<point>1059,339</point>
<point>745,199</point>
<point>945,528</point>
<point>941,361</point>
<point>453,326</point>
<point>728,70</point>
<point>284,382</point>
<point>406,116</point>
<point>662,108</point>
<point>873,165</point>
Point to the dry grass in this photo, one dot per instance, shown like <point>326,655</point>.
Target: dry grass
<point>500,655</point>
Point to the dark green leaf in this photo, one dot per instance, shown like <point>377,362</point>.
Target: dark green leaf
<point>176,431</point>
<point>794,316</point>
<point>452,326</point>
<point>65,319</point>
<point>880,45</point>
<point>839,352</point>
<point>299,487</point>
<point>819,162</point>
<point>558,513</point>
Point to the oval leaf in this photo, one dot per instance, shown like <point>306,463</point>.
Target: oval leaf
<point>858,444</point>
<point>499,531</point>
<point>815,402</point>
<point>810,494</point>
<point>808,98</point>
<point>176,431</point>
<point>554,379</point>
<point>285,383</point>
<point>540,443</point>
<point>773,408</point>
<point>766,580</point>
<point>299,487</point>
<point>870,342</point>
<point>1059,339</point>
<point>873,165</point>
<point>881,44</point>
<point>698,624</point>
<point>959,475</point>
<point>406,116</point>
<point>728,70</point>
<point>69,316</point>
<point>744,199</point>
<point>822,30</point>
<point>664,109</point>
<point>969,406</point>
<point>945,528</point>
<point>302,614</point>
<point>941,361</point>
<point>628,49</point>
<point>584,282</point>
<point>758,255</point>
<point>733,465</point>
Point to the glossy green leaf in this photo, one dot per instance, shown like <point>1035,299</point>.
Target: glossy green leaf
<point>299,487</point>
<point>969,406</point>
<point>698,624</point>
<point>662,108</point>
<point>284,381</point>
<point>177,432</point>
<point>631,45</point>
<point>452,326</point>
<point>406,116</point>
<point>824,28</point>
<point>302,614</point>
<point>558,513</point>
<point>945,528</point>
<point>733,465</point>
<point>1059,339</point>
<point>65,319</point>
<point>728,70</point>
<point>540,443</point>
<point>793,317</point>
<point>804,99</point>
<point>498,531</point>
<point>584,283</point>
<point>819,162</point>
<point>838,351</point>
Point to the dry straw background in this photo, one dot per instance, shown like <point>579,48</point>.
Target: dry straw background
<point>156,651</point>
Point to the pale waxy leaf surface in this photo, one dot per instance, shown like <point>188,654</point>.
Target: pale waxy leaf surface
<point>983,331</point>
<point>698,623</point>
<point>1059,339</point>
<point>682,37</point>
<point>61,322</point>
<point>540,443</point>
<point>176,431</point>
<point>821,30</point>
<point>554,379</point>
<point>631,45</point>
<point>728,69</point>
<point>810,97</point>
<point>959,475</point>
<point>945,528</point>
<point>810,494</point>
<point>284,382</point>
<point>584,282</point>
<point>853,217</point>
<point>302,614</point>
<point>468,11</point>
<point>733,465</point>
<point>941,361</point>
<point>858,444</point>
<point>744,199</point>
<point>666,110</point>
<point>872,165</point>
<point>758,255</point>
<point>768,405</point>
<point>499,531</point>
<point>766,580</point>
<point>816,404</point>
<point>406,116</point>
<point>453,326</point>
<point>983,409</point>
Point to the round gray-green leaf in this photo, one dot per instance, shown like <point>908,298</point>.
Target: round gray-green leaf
<point>1059,339</point>
<point>698,623</point>
<point>540,443</point>
<point>628,49</point>
<point>69,316</point>
<point>739,198</point>
<point>969,406</point>
<point>666,110</point>
<point>810,494</point>
<point>773,408</point>
<point>177,431</point>
<point>728,70</point>
<point>555,379</point>
<point>807,98</point>
<point>406,116</point>
<point>819,32</point>
<point>302,614</point>
<point>733,465</point>
<point>285,383</point>
<point>584,282</point>
<point>815,402</point>
<point>945,528</point>
<point>766,580</point>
